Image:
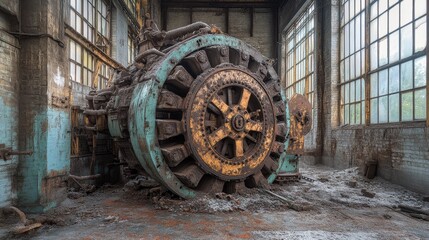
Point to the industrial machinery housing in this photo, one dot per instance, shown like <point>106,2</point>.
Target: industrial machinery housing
<point>200,111</point>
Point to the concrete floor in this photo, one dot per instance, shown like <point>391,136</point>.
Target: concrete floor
<point>336,212</point>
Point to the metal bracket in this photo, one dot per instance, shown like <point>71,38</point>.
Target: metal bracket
<point>6,152</point>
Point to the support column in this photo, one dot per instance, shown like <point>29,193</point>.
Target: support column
<point>44,118</point>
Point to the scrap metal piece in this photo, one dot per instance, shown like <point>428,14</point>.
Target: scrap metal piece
<point>300,123</point>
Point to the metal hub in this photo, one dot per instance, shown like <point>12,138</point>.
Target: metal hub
<point>238,122</point>
<point>230,123</point>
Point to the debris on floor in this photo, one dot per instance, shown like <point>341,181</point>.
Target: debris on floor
<point>329,196</point>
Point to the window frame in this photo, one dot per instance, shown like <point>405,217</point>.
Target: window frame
<point>309,77</point>
<point>369,72</point>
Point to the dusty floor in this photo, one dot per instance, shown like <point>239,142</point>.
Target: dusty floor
<point>334,205</point>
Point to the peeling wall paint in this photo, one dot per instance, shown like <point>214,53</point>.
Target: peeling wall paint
<point>50,141</point>
<point>9,55</point>
<point>58,79</point>
<point>9,138</point>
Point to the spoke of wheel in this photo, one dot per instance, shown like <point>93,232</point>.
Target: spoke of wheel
<point>244,101</point>
<point>254,126</point>
<point>220,104</point>
<point>239,151</point>
<point>251,138</point>
<point>229,94</point>
<point>217,135</point>
<point>210,123</point>
<point>224,147</point>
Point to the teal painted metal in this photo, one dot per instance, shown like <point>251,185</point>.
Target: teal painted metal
<point>113,124</point>
<point>50,142</point>
<point>142,112</point>
<point>285,163</point>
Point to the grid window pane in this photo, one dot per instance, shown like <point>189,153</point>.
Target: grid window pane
<point>299,56</point>
<point>397,61</point>
<point>352,60</point>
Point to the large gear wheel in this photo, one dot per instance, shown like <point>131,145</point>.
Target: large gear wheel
<point>201,113</point>
<point>220,118</point>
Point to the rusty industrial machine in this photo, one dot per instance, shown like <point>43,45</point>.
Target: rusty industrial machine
<point>200,111</point>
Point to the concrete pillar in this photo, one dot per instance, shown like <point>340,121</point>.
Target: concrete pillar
<point>9,100</point>
<point>44,112</point>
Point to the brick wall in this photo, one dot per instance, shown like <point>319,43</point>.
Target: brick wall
<point>9,90</point>
<point>44,112</point>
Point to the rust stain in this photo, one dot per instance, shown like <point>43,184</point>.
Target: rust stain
<point>45,126</point>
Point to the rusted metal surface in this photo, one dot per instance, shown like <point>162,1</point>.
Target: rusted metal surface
<point>300,121</point>
<point>7,152</point>
<point>197,111</point>
<point>230,122</point>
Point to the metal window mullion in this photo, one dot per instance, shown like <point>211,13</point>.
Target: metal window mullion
<point>367,63</point>
<point>427,60</point>
<point>294,57</point>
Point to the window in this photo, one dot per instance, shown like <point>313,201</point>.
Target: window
<point>81,64</point>
<point>352,62</point>
<point>103,76</point>
<point>87,16</point>
<point>396,73</point>
<point>102,23</point>
<point>131,4</point>
<point>82,17</point>
<point>131,50</point>
<point>299,56</point>
<point>397,60</point>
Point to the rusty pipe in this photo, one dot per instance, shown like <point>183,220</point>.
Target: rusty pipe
<point>144,54</point>
<point>178,32</point>
<point>92,112</point>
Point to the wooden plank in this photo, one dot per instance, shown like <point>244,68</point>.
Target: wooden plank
<point>94,82</point>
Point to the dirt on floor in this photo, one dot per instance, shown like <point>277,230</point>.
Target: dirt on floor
<point>322,193</point>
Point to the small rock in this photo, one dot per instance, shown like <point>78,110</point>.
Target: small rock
<point>110,219</point>
<point>220,195</point>
<point>387,216</point>
<point>367,194</point>
<point>323,179</point>
<point>344,195</point>
<point>75,195</point>
<point>352,184</point>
